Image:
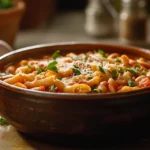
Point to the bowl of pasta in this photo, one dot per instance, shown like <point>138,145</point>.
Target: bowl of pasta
<point>75,89</point>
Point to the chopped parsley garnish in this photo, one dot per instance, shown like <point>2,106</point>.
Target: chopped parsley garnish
<point>138,67</point>
<point>76,66</point>
<point>30,67</point>
<point>53,87</point>
<point>118,60</point>
<point>101,69</point>
<point>7,71</point>
<point>120,70</point>
<point>59,78</point>
<point>89,78</point>
<point>56,54</point>
<point>76,70</point>
<point>95,89</point>
<point>40,70</point>
<point>131,83</point>
<point>114,73</point>
<point>74,58</point>
<point>100,90</point>
<point>3,121</point>
<point>86,57</point>
<point>89,72</point>
<point>132,71</point>
<point>102,53</point>
<point>52,66</point>
<point>144,72</point>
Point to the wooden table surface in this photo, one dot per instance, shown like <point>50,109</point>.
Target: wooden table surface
<point>11,139</point>
<point>66,27</point>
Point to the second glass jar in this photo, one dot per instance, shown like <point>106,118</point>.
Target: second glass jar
<point>133,22</point>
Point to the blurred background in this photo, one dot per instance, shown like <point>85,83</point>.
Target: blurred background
<point>47,21</point>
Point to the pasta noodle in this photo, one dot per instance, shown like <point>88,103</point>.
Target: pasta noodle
<point>91,72</point>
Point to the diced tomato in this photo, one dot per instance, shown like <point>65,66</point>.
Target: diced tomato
<point>42,65</point>
<point>59,90</point>
<point>145,83</point>
<point>119,88</point>
<point>42,88</point>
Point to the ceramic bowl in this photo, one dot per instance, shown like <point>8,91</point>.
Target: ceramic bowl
<point>41,113</point>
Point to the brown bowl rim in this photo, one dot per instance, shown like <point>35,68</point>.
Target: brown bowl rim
<point>72,96</point>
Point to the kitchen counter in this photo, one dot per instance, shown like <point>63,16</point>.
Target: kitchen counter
<point>65,27</point>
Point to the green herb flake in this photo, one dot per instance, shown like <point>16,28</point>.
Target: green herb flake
<point>97,91</point>
<point>40,70</point>
<point>120,70</point>
<point>75,66</point>
<point>86,57</point>
<point>3,121</point>
<point>118,60</point>
<point>114,73</point>
<point>30,67</point>
<point>100,90</point>
<point>89,78</point>
<point>76,70</point>
<point>94,90</point>
<point>89,72</point>
<point>138,67</point>
<point>53,87</point>
<point>56,54</point>
<point>73,58</point>
<point>7,71</point>
<point>131,83</point>
<point>59,78</point>
<point>102,53</point>
<point>144,72</point>
<point>101,69</point>
<point>52,66</point>
<point>132,71</point>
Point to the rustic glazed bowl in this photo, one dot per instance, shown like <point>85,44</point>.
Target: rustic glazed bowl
<point>43,113</point>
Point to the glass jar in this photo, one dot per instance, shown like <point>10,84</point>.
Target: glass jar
<point>133,22</point>
<point>100,18</point>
